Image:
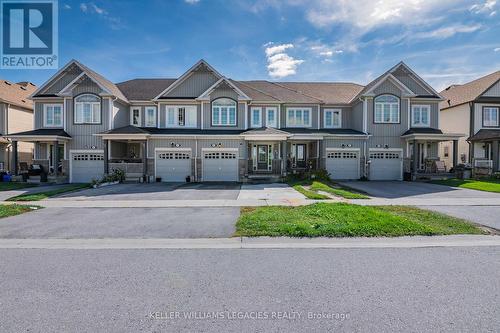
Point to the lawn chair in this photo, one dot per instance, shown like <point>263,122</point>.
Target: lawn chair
<point>440,166</point>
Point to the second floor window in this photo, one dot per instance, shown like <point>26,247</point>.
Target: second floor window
<point>420,115</point>
<point>52,115</point>
<point>223,112</point>
<point>136,116</point>
<point>271,114</point>
<point>87,109</point>
<point>386,109</point>
<point>150,116</point>
<point>298,117</point>
<point>333,119</point>
<point>256,117</point>
<point>490,116</point>
<point>181,116</point>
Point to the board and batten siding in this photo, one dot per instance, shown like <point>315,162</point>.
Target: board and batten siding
<point>207,118</point>
<point>61,81</point>
<point>478,115</point>
<point>154,143</point>
<point>345,114</point>
<point>434,107</point>
<point>195,85</point>
<point>163,113</point>
<point>120,114</point>
<point>38,110</point>
<point>493,91</point>
<point>263,108</point>
<point>87,86</point>
<point>357,117</point>
<point>3,119</point>
<point>411,82</point>
<point>391,129</point>
<point>314,113</point>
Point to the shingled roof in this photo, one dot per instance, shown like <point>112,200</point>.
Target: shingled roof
<point>465,93</point>
<point>17,93</point>
<point>144,89</point>
<point>328,92</point>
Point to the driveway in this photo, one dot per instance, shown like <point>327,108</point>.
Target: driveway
<point>158,191</point>
<point>485,215</point>
<point>122,223</point>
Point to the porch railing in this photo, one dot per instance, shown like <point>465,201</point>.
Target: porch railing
<point>128,168</point>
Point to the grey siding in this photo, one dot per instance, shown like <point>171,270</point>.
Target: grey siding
<point>62,80</point>
<point>493,91</point>
<point>388,129</point>
<point>3,119</point>
<point>83,134</point>
<point>196,84</point>
<point>357,117</point>
<point>121,116</point>
<point>207,118</point>
<point>314,113</point>
<point>191,143</point>
<point>345,112</point>
<point>40,151</point>
<point>163,113</point>
<point>223,92</point>
<point>411,82</point>
<point>337,143</point>
<point>87,86</point>
<point>387,87</point>
<point>263,107</point>
<point>434,112</point>
<point>38,111</point>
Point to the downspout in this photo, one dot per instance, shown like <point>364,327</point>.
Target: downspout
<point>471,131</point>
<point>196,159</point>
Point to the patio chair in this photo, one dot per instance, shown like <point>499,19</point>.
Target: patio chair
<point>440,166</point>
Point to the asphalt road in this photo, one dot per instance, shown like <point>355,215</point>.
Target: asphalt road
<point>122,223</point>
<point>485,215</point>
<point>364,290</point>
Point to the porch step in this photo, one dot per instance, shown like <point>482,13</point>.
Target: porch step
<point>264,178</point>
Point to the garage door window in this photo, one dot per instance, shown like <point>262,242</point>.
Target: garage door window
<point>222,155</point>
<point>88,157</point>
<point>384,155</point>
<point>345,154</point>
<point>173,156</point>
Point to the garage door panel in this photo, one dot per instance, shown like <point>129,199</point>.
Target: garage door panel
<point>86,166</point>
<point>343,164</point>
<point>220,166</point>
<point>173,166</point>
<point>386,165</point>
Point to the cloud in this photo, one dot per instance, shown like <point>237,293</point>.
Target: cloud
<point>446,32</point>
<point>91,8</point>
<point>486,7</point>
<point>191,2</point>
<point>279,63</point>
<point>83,7</point>
<point>496,49</point>
<point>66,6</point>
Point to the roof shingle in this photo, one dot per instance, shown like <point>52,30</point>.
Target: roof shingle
<point>17,93</point>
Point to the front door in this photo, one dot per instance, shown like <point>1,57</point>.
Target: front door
<point>300,155</point>
<point>60,155</point>
<point>421,156</point>
<point>263,158</point>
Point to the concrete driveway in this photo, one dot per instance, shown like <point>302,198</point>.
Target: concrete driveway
<point>202,222</point>
<point>158,191</point>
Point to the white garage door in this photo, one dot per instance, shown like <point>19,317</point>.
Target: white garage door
<point>386,165</point>
<point>343,164</point>
<point>173,166</point>
<point>220,166</point>
<point>86,166</point>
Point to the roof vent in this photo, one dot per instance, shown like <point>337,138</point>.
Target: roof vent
<point>449,102</point>
<point>7,83</point>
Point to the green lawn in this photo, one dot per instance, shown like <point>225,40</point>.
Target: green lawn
<point>9,186</point>
<point>315,186</point>
<point>11,210</point>
<point>49,193</point>
<point>347,220</point>
<point>488,185</point>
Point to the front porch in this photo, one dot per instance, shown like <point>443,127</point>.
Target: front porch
<point>128,156</point>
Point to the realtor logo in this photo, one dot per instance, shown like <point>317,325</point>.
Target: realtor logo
<point>29,34</point>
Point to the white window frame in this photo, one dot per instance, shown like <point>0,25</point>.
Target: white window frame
<point>146,116</point>
<point>491,123</point>
<point>45,110</point>
<point>275,123</point>
<point>332,111</point>
<point>218,109</point>
<point>132,109</point>
<point>92,104</point>
<point>187,109</point>
<point>421,109</point>
<point>391,105</point>
<point>295,110</point>
<point>252,123</point>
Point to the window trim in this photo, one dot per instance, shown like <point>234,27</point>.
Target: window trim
<point>275,109</point>
<point>176,108</point>
<point>252,124</point>
<point>132,109</point>
<point>325,111</point>
<point>45,106</point>
<point>75,103</point>
<point>421,106</point>
<point>146,116</point>
<point>498,116</point>
<point>375,109</point>
<point>220,118</point>
<point>294,109</point>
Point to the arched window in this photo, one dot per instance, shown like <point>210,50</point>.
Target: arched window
<point>386,109</point>
<point>87,109</point>
<point>224,112</point>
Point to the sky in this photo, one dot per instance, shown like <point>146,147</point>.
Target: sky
<point>446,42</point>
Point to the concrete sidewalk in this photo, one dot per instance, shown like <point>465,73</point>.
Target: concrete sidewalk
<point>428,202</point>
<point>254,243</point>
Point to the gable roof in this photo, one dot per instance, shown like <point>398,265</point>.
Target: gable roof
<point>17,93</point>
<point>465,93</point>
<point>328,92</point>
<point>224,81</point>
<point>94,76</point>
<point>280,92</point>
<point>144,89</point>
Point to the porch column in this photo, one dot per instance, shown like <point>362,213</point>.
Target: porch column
<point>284,154</point>
<point>145,156</point>
<point>106,159</point>
<point>494,155</point>
<point>55,157</point>
<point>15,158</point>
<point>455,153</point>
<point>414,160</point>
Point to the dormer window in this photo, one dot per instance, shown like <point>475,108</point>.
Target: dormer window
<point>223,112</point>
<point>386,109</point>
<point>87,109</point>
